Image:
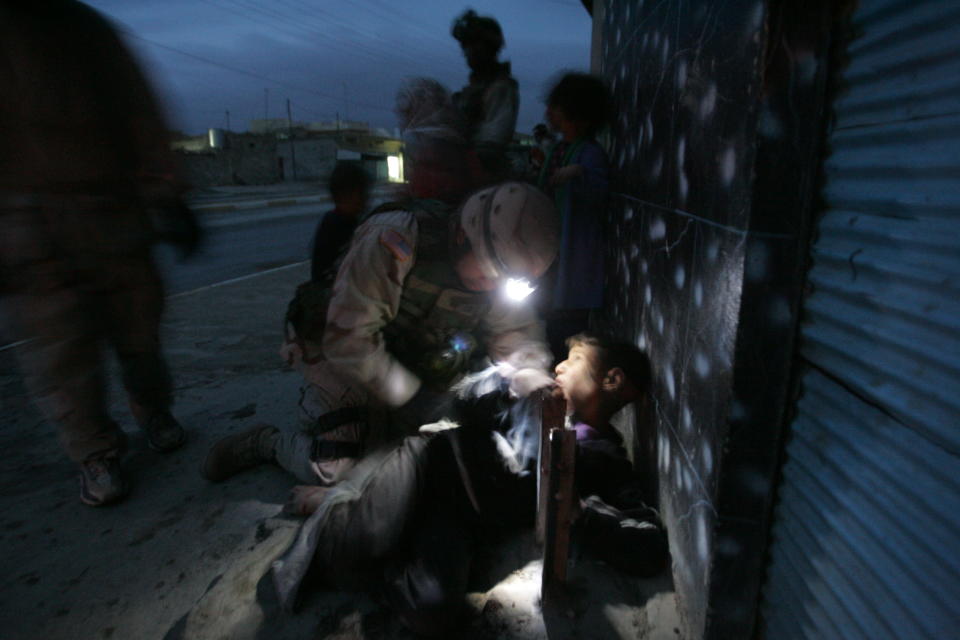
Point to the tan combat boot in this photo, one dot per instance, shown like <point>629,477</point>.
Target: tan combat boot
<point>240,452</point>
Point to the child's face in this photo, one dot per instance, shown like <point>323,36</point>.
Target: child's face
<point>351,203</point>
<point>562,124</point>
<point>577,378</point>
<point>555,118</point>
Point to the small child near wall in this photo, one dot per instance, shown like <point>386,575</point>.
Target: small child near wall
<point>576,173</point>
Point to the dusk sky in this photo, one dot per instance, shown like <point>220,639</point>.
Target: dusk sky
<point>209,56</point>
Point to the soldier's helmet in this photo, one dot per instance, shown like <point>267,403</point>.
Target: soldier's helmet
<point>513,230</point>
<point>469,26</point>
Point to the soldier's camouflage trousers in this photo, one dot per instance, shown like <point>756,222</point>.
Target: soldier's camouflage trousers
<point>64,296</point>
<point>333,417</point>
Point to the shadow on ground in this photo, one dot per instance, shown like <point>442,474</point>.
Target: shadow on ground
<point>185,559</point>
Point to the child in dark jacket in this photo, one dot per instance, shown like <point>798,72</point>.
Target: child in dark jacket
<point>350,190</point>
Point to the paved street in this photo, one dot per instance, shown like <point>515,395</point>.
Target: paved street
<point>184,559</point>
<point>239,249</point>
<point>249,230</point>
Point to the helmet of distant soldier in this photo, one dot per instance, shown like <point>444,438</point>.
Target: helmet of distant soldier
<point>469,27</point>
<point>513,230</point>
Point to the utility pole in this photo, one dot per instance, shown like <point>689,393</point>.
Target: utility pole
<point>293,149</point>
<point>228,119</point>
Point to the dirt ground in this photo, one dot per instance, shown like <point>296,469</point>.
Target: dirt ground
<point>184,559</point>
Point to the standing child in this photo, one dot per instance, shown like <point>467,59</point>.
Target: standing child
<point>576,174</point>
<point>350,189</point>
<point>303,450</point>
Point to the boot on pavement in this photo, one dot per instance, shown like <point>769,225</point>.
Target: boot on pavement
<point>240,452</point>
<point>101,481</point>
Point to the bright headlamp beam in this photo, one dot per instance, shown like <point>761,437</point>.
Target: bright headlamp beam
<point>517,289</point>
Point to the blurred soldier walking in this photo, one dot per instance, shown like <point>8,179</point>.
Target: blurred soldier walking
<point>86,187</point>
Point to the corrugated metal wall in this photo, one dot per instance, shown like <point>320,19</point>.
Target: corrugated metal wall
<point>867,527</point>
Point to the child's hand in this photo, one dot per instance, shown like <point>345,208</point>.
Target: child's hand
<point>565,174</point>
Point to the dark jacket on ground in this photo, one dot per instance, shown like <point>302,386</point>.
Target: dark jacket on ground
<point>417,513</point>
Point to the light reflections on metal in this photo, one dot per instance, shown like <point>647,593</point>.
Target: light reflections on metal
<point>867,528</point>
<point>885,307</point>
<point>868,520</point>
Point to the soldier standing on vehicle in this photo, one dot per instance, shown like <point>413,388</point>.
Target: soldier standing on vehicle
<point>491,100</point>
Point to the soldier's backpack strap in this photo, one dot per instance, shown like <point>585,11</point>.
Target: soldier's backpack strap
<point>433,222</point>
<point>334,449</point>
<point>333,419</point>
<point>323,449</point>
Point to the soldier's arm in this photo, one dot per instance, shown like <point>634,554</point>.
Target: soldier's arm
<point>514,334</point>
<point>366,296</point>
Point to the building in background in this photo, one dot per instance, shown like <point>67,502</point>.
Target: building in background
<point>273,151</point>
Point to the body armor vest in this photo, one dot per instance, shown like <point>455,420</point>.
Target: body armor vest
<point>435,333</point>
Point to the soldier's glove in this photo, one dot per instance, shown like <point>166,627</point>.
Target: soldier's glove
<point>436,427</point>
<point>176,224</point>
<point>425,407</point>
<point>524,382</point>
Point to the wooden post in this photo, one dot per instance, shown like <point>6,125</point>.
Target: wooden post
<point>552,416</point>
<point>556,548</point>
<point>556,491</point>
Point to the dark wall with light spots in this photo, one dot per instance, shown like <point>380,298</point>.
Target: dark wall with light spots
<point>708,231</point>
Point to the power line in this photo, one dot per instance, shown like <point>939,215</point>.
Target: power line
<point>278,22</point>
<point>253,74</point>
<point>284,22</point>
<point>302,33</point>
<point>406,19</point>
<point>372,38</point>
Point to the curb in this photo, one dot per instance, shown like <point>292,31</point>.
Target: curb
<point>257,204</point>
<point>260,203</point>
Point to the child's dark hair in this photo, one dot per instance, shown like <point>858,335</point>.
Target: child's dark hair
<point>613,353</point>
<point>583,98</point>
<point>348,176</point>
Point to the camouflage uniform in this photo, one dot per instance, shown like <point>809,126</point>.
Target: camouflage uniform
<point>398,319</point>
<point>85,156</point>
<point>490,104</point>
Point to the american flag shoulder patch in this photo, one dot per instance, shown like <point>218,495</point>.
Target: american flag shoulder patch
<point>396,244</point>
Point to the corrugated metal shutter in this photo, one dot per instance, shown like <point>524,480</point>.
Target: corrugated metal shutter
<point>867,529</point>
